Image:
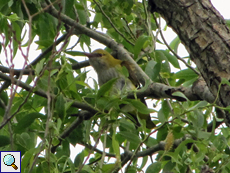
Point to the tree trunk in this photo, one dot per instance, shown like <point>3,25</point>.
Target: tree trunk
<point>202,30</point>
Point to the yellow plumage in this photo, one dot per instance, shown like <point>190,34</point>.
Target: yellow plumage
<point>107,68</point>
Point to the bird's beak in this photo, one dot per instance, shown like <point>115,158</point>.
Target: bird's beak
<point>90,55</point>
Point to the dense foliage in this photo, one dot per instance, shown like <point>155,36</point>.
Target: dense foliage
<point>49,97</point>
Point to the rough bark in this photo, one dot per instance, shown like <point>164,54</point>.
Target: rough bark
<point>202,30</point>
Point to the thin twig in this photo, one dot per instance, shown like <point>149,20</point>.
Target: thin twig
<point>173,52</point>
<point>104,146</point>
<point>11,137</point>
<point>8,118</point>
<point>43,94</point>
<point>130,31</point>
<point>75,66</point>
<point>95,145</point>
<point>147,20</point>
<point>41,56</point>
<point>107,17</point>
<point>99,151</point>
<point>49,99</point>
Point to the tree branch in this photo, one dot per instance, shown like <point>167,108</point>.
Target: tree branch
<point>111,23</point>
<point>171,50</point>
<point>75,66</point>
<point>102,38</point>
<point>158,90</point>
<point>206,36</point>
<point>43,93</point>
<point>42,55</point>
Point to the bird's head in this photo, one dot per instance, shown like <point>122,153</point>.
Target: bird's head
<point>102,60</point>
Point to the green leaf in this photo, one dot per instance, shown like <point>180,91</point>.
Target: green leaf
<point>186,74</point>
<point>71,164</point>
<point>115,145</point>
<point>139,45</point>
<point>10,3</point>
<point>13,17</point>
<point>3,3</point>
<point>144,161</point>
<point>156,71</point>
<point>131,137</point>
<point>141,107</point>
<point>151,141</point>
<point>52,158</point>
<point>82,16</point>
<point>79,6</point>
<point>180,94</point>
<point>227,22</point>
<point>78,161</point>
<point>107,168</point>
<point>217,157</point>
<point>200,118</point>
<point>124,71</point>
<point>174,44</point>
<point>203,135</point>
<point>169,166</point>
<point>55,141</point>
<point>106,87</point>
<point>68,8</point>
<point>159,56</point>
<point>163,61</point>
<point>225,81</point>
<point>4,140</point>
<point>131,169</point>
<point>161,117</point>
<point>200,104</point>
<point>39,66</point>
<point>4,97</point>
<point>172,59</point>
<point>189,82</point>
<point>182,145</point>
<point>75,53</point>
<point>154,168</point>
<point>220,142</point>
<point>17,31</point>
<point>26,121</point>
<point>60,106</point>
<point>164,112</point>
<point>24,140</point>
<point>174,157</point>
<point>28,156</point>
<point>126,125</point>
<point>78,134</point>
<point>149,69</point>
<point>106,102</point>
<point>44,43</point>
<point>127,5</point>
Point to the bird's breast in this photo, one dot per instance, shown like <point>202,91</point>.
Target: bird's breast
<point>104,75</point>
<point>121,83</point>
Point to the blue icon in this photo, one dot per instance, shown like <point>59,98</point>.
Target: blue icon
<point>9,160</point>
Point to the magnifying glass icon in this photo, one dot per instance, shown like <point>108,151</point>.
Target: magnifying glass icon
<point>9,160</point>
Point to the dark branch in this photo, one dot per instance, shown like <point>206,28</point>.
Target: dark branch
<point>75,66</point>
<point>158,90</point>
<point>42,55</point>
<point>43,93</point>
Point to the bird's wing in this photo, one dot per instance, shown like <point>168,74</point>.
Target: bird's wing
<point>132,75</point>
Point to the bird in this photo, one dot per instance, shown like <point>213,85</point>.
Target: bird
<point>107,68</point>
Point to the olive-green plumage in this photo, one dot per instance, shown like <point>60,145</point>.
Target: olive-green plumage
<point>107,68</point>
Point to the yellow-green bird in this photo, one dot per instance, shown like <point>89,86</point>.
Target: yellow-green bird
<point>107,68</point>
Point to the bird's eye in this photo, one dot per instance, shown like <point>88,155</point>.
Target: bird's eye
<point>99,55</point>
